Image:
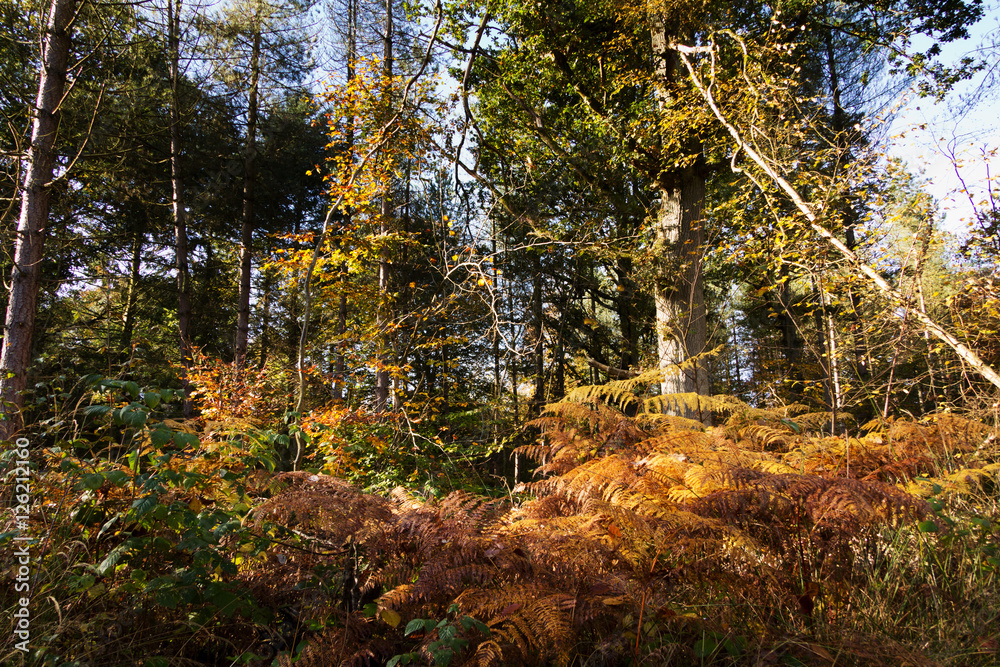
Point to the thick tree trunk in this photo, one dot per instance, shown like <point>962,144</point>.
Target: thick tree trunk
<point>35,203</point>
<point>681,327</point>
<point>177,202</point>
<point>249,213</point>
<point>680,302</point>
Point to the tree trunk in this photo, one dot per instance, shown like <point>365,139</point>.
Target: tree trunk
<point>963,351</point>
<point>845,138</point>
<point>681,327</point>
<point>35,203</point>
<point>625,304</point>
<point>139,213</point>
<point>177,203</point>
<point>538,322</point>
<point>340,366</point>
<point>384,268</point>
<point>791,343</point>
<point>249,187</point>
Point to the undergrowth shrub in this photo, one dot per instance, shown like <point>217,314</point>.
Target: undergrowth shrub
<point>655,540</point>
<point>647,539</point>
<point>136,534</point>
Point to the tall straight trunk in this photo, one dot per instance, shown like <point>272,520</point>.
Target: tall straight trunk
<point>139,213</point>
<point>384,267</point>
<point>792,344</point>
<point>177,201</point>
<point>827,345</point>
<point>538,316</point>
<point>340,365</point>
<point>833,361</point>
<point>924,239</point>
<point>681,327</point>
<point>265,320</point>
<point>625,305</point>
<point>845,136</point>
<point>25,278</point>
<point>249,214</point>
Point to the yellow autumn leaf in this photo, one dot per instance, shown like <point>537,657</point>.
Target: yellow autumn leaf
<point>390,617</point>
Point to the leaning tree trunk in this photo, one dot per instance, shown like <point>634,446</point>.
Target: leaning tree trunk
<point>680,302</point>
<point>35,203</point>
<point>967,355</point>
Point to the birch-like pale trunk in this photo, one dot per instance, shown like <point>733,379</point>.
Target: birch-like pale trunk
<point>25,279</point>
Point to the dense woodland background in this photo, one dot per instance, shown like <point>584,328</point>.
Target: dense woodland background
<point>577,332</point>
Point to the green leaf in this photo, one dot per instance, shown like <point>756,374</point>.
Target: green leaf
<point>182,439</point>
<point>413,626</point>
<point>94,411</point>
<point>132,388</point>
<point>143,506</point>
<point>168,598</point>
<point>92,481</point>
<point>116,555</point>
<point>117,477</point>
<point>160,436</point>
<point>226,601</point>
<point>442,657</point>
<point>792,425</point>
<point>133,415</point>
<point>151,399</point>
<point>735,646</point>
<point>927,527</point>
<point>107,524</point>
<point>160,583</point>
<point>705,647</point>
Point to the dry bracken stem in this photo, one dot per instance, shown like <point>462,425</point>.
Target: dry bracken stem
<point>935,329</point>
